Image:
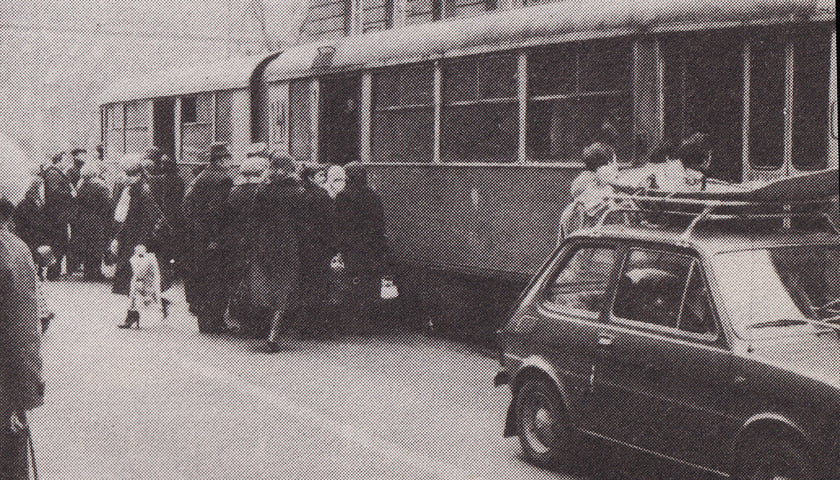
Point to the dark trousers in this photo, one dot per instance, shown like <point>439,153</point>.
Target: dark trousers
<point>210,293</point>
<point>14,458</point>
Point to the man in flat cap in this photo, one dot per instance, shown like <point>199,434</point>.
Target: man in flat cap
<point>204,210</point>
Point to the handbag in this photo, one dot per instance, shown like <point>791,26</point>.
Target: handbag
<point>388,289</point>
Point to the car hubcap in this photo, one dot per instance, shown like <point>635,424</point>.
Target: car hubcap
<point>540,423</point>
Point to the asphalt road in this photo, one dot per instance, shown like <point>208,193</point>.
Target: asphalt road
<point>165,402</point>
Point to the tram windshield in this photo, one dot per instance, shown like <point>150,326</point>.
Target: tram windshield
<point>780,291</point>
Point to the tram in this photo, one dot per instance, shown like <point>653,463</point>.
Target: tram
<point>472,128</point>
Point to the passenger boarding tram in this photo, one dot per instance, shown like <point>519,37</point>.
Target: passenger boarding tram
<point>472,128</point>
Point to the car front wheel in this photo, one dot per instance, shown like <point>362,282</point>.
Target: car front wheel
<point>774,459</point>
<point>542,426</point>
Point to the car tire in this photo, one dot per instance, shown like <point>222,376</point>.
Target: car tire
<point>772,459</point>
<point>547,438</point>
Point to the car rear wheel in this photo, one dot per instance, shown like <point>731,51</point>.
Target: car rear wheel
<point>542,426</point>
<point>774,459</point>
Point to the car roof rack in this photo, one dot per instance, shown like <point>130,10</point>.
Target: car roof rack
<point>659,206</point>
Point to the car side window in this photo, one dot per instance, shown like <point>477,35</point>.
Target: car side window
<point>581,284</point>
<point>651,287</point>
<point>697,315</point>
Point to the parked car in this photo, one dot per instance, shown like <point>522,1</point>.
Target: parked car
<point>713,348</point>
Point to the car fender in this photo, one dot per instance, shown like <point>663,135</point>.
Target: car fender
<point>774,421</point>
<point>534,365</point>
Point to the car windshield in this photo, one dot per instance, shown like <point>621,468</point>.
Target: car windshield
<point>780,291</point>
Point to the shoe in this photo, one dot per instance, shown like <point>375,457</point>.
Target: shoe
<point>164,307</point>
<point>272,347</point>
<point>131,318</point>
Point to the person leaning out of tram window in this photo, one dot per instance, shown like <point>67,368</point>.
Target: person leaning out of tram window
<point>240,237</point>
<point>360,236</point>
<point>203,207</point>
<point>590,190</point>
<point>695,152</point>
<point>279,206</point>
<point>21,385</point>
<point>91,226</point>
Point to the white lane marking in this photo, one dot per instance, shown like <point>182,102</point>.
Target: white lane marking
<point>347,432</point>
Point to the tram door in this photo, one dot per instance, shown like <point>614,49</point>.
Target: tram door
<point>164,125</point>
<point>339,139</point>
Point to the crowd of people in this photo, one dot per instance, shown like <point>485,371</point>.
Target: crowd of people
<point>271,246</point>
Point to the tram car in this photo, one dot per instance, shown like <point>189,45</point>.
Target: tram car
<point>472,128</point>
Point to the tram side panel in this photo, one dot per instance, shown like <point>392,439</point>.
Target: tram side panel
<point>465,239</point>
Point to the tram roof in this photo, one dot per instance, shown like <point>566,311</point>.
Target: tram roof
<point>535,25</point>
<point>225,74</point>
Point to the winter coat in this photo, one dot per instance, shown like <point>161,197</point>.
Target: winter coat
<point>59,203</point>
<point>203,207</point>
<point>360,220</point>
<point>21,385</point>
<point>137,229</point>
<point>31,222</point>
<point>168,194</point>
<point>91,228</point>
<point>277,214</point>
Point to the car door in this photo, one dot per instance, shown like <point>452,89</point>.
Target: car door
<point>568,311</point>
<point>661,372</point>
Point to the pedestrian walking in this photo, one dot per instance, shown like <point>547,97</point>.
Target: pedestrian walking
<point>59,208</point>
<point>203,207</point>
<point>21,386</point>
<point>279,206</point>
<point>360,220</point>
<point>91,226</point>
<point>240,239</point>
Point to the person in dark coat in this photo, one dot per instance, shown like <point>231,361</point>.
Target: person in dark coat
<point>168,193</point>
<point>134,220</point>
<point>203,207</point>
<point>74,172</point>
<point>240,240</point>
<point>31,222</point>
<point>278,209</point>
<point>21,385</point>
<point>59,208</point>
<point>360,237</point>
<point>92,225</point>
<point>317,246</point>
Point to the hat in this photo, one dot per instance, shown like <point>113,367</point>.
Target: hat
<point>218,151</point>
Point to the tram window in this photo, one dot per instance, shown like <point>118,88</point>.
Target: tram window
<point>300,119</point>
<point>196,129</point>
<point>403,114</point>
<point>812,51</point>
<point>767,104</point>
<point>704,85</point>
<point>224,108</point>
<point>137,126</point>
<point>479,120</point>
<point>114,133</point>
<point>423,11</point>
<point>574,91</point>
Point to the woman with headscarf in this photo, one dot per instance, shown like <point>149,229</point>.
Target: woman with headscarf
<point>239,238</point>
<point>278,213</point>
<point>92,223</point>
<point>360,234</point>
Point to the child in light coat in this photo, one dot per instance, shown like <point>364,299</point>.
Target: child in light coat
<point>144,289</point>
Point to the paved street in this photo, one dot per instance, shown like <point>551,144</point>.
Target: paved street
<point>167,403</point>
